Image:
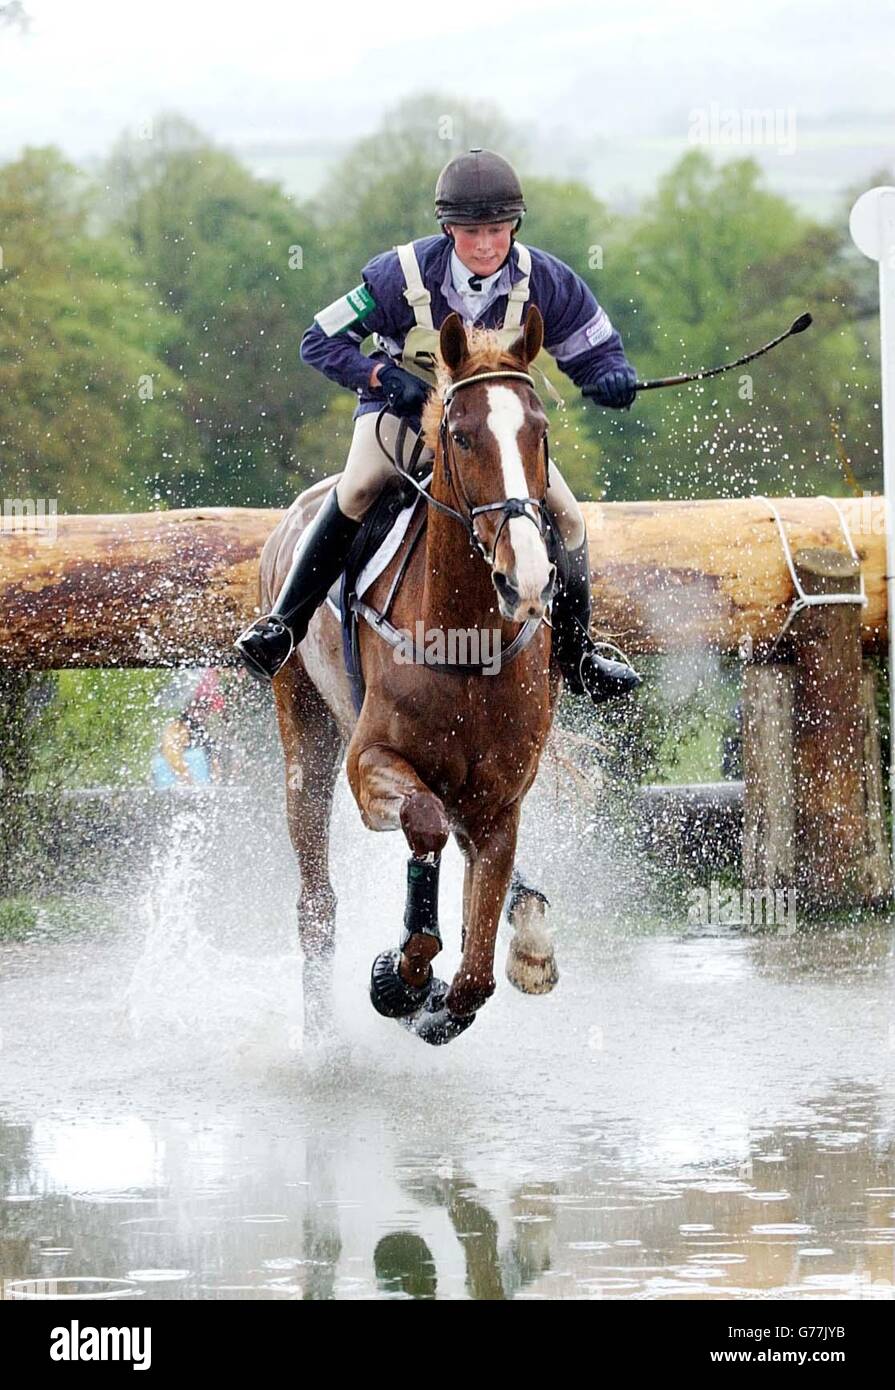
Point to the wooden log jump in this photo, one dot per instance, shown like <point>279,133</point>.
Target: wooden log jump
<point>173,588</point>
<point>151,589</point>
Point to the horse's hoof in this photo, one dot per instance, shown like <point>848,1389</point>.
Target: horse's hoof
<point>531,964</point>
<point>389,994</point>
<point>434,1022</point>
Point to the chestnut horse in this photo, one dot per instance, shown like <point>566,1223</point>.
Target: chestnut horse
<point>435,752</point>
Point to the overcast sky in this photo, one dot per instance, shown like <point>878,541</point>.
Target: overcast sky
<point>272,71</point>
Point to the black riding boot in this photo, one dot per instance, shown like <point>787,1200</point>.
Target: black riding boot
<point>584,670</point>
<point>268,643</point>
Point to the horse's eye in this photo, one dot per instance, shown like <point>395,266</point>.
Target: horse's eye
<point>460,439</point>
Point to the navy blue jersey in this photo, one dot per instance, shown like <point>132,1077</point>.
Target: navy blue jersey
<point>577,331</point>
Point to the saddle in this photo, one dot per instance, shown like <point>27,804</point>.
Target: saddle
<point>397,509</point>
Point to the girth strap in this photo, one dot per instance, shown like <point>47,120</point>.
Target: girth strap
<point>395,638</point>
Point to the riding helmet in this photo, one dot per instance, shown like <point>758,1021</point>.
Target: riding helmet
<point>480,186</point>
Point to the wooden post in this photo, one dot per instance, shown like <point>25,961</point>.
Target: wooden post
<point>828,737</point>
<point>814,802</point>
<point>769,793</point>
<point>877,883</point>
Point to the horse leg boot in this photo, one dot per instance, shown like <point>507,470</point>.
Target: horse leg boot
<point>390,793</point>
<point>430,1018</point>
<point>402,980</point>
<point>266,645</point>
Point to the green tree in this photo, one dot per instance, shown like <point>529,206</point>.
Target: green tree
<point>717,264</point>
<point>89,413</point>
<point>230,256</point>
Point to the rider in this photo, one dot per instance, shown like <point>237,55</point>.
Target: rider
<point>476,267</point>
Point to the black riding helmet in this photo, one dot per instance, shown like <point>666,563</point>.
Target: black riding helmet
<point>480,186</point>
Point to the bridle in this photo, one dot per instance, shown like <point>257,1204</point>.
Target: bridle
<point>508,507</point>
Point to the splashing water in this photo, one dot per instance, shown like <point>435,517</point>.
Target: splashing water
<point>186,986</point>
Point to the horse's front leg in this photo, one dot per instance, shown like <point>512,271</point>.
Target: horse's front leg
<point>390,793</point>
<point>495,852</point>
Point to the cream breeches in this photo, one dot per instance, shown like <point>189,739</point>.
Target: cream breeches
<point>367,469</point>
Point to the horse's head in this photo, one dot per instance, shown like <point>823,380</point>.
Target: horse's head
<point>492,447</point>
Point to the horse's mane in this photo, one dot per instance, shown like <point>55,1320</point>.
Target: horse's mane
<point>485,350</point>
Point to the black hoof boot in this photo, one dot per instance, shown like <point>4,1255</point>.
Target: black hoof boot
<point>389,994</point>
<point>434,1022</point>
<point>420,935</point>
<point>517,893</point>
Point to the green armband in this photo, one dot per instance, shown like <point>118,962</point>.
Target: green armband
<point>342,313</point>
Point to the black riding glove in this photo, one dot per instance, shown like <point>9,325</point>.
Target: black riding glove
<point>405,393</point>
<point>614,388</point>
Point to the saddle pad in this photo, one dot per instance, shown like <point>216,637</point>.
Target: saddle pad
<point>377,562</point>
<point>384,528</point>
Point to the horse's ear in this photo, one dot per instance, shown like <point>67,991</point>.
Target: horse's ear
<point>453,344</point>
<point>530,341</point>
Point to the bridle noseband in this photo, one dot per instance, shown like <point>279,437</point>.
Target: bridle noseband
<point>509,507</point>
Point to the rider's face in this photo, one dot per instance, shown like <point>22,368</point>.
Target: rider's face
<point>483,248</point>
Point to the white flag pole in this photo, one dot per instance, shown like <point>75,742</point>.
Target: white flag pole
<point>872,226</point>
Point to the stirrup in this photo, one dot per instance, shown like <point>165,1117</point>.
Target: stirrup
<point>620,656</point>
<point>615,676</point>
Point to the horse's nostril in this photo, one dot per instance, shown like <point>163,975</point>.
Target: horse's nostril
<point>505,588</point>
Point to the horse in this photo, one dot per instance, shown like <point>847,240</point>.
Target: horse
<point>437,749</point>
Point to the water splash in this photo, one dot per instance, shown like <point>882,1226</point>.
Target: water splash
<point>185,986</point>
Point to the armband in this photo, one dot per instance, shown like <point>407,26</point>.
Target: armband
<point>342,313</point>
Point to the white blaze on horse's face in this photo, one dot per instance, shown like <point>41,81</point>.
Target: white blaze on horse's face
<point>524,590</point>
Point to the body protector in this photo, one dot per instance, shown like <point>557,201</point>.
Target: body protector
<point>419,353</point>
